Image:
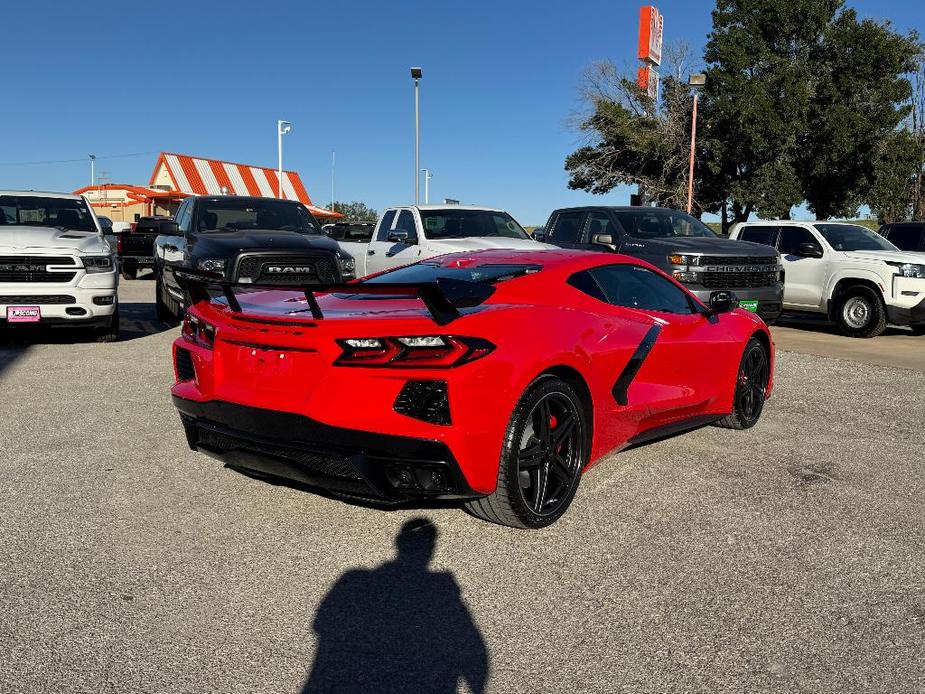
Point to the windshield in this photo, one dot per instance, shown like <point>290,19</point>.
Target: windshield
<point>269,214</point>
<point>652,223</point>
<point>428,272</point>
<point>38,211</point>
<point>461,224</point>
<point>853,237</point>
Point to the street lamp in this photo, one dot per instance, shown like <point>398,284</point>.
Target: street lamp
<point>428,174</point>
<point>282,128</point>
<point>92,169</point>
<point>695,82</point>
<point>416,74</point>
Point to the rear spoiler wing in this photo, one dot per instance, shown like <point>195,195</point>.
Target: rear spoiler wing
<point>443,297</point>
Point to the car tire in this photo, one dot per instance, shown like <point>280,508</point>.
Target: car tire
<point>860,313</point>
<point>112,332</point>
<point>164,305</point>
<point>917,329</point>
<point>540,466</point>
<point>129,273</point>
<point>751,387</point>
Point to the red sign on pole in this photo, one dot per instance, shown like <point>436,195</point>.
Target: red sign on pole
<point>647,79</point>
<point>651,24</point>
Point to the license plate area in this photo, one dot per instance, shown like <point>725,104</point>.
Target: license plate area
<point>280,370</point>
<point>23,314</point>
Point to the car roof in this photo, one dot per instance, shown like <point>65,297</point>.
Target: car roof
<point>427,208</point>
<point>552,259</point>
<point>248,198</point>
<point>41,194</point>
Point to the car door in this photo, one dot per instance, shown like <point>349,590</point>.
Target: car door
<point>566,229</point>
<point>804,277</point>
<point>395,244</point>
<point>689,359</point>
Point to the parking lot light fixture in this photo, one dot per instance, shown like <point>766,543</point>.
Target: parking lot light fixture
<point>282,128</point>
<point>695,82</point>
<point>92,169</point>
<point>416,74</point>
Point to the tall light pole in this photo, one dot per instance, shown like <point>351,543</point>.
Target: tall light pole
<point>428,174</point>
<point>695,82</point>
<point>333,161</point>
<point>92,169</point>
<point>416,74</point>
<point>282,127</point>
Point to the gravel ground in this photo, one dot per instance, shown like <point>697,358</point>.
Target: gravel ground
<point>788,558</point>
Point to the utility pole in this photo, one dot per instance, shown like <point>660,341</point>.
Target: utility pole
<point>416,74</point>
<point>282,127</point>
<point>333,162</point>
<point>695,82</point>
<point>92,169</point>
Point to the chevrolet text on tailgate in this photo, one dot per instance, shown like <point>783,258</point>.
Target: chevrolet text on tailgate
<point>444,379</point>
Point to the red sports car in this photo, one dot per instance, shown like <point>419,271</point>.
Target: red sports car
<point>494,377</point>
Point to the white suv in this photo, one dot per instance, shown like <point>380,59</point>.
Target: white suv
<point>845,271</point>
<point>56,268</point>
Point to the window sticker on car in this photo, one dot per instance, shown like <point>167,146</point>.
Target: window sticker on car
<point>434,223</point>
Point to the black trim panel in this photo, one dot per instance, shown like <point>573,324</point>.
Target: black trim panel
<point>672,429</point>
<point>622,384</point>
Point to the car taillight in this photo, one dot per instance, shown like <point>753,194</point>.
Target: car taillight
<point>197,330</point>
<point>131,227</point>
<point>412,352</point>
<point>119,244</point>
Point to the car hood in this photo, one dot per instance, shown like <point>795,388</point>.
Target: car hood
<point>29,239</point>
<point>887,256</point>
<point>477,243</point>
<point>716,246</point>
<point>229,242</point>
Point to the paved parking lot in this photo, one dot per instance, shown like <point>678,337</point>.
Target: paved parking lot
<point>787,558</point>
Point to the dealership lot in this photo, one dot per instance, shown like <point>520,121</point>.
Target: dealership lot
<point>790,557</point>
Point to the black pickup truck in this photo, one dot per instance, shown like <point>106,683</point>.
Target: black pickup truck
<point>248,240</point>
<point>679,244</point>
<point>135,246</point>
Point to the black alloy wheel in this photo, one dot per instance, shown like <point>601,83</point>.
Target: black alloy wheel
<point>546,448</point>
<point>750,389</point>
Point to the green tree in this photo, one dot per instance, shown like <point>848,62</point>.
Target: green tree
<point>356,211</point>
<point>897,164</point>
<point>861,95</point>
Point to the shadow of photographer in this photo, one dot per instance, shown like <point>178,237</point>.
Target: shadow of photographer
<point>397,628</point>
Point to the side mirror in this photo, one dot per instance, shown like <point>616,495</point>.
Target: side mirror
<point>539,236</point>
<point>398,236</point>
<point>604,240</point>
<point>723,301</point>
<point>169,229</point>
<point>809,250</point>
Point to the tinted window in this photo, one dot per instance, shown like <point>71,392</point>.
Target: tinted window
<point>230,214</point>
<point>907,238</point>
<point>766,235</point>
<point>636,287</point>
<point>654,223</point>
<point>455,224</point>
<point>567,227</point>
<point>385,224</point>
<point>428,272</point>
<point>791,238</point>
<point>406,223</point>
<point>39,211</point>
<point>852,237</point>
<point>184,215</point>
<point>599,223</point>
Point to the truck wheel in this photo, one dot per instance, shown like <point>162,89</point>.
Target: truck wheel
<point>165,312</point>
<point>861,313</point>
<point>750,388</point>
<point>917,329</point>
<point>111,332</point>
<point>545,449</point>
<point>129,273</point>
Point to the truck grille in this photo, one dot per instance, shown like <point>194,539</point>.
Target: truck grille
<point>288,269</point>
<point>738,260</point>
<point>37,299</point>
<point>33,268</point>
<point>735,280</point>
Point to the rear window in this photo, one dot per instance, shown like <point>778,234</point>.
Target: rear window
<point>430,272</point>
<point>766,235</point>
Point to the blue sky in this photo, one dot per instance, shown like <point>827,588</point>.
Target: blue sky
<point>205,78</point>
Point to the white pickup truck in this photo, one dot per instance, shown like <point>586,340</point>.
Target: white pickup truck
<point>406,235</point>
<point>845,271</point>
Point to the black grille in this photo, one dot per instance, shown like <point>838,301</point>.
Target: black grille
<point>424,400</point>
<point>738,260</point>
<point>37,299</point>
<point>185,370</point>
<point>31,268</point>
<point>318,269</point>
<point>321,461</point>
<point>733,280</point>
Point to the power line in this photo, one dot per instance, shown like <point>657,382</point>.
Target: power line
<point>75,161</point>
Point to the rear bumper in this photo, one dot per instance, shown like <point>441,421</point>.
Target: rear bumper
<point>292,446</point>
<point>770,299</point>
